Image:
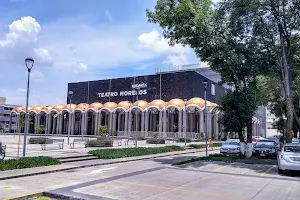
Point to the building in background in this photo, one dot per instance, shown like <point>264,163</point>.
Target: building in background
<point>5,119</point>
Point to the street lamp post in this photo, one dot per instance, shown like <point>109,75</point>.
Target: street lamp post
<point>205,82</point>
<point>186,117</point>
<point>137,88</point>
<point>29,64</point>
<point>70,99</point>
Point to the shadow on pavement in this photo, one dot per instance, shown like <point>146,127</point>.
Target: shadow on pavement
<point>257,168</point>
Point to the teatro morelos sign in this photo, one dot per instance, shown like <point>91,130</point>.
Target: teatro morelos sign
<point>140,88</point>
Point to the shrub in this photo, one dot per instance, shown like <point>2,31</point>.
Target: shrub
<point>140,138</point>
<point>102,130</point>
<point>183,140</point>
<point>202,135</point>
<point>40,129</point>
<point>201,146</point>
<point>100,142</point>
<point>155,141</point>
<point>129,152</point>
<point>155,135</point>
<point>40,140</point>
<point>115,133</point>
<point>27,162</point>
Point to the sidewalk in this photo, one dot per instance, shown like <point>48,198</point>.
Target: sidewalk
<point>10,174</point>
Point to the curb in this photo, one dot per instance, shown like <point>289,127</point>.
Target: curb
<point>93,165</point>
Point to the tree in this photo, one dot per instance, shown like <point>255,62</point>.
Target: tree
<point>221,41</point>
<point>272,24</point>
<point>1,128</point>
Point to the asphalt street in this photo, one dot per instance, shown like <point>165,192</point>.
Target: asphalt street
<point>157,179</point>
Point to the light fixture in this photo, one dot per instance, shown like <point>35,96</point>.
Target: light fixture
<point>29,63</point>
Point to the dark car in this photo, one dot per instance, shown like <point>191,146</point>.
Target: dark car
<point>265,149</point>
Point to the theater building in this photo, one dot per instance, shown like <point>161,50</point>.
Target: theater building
<point>170,103</point>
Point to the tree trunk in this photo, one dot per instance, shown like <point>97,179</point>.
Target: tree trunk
<point>242,141</point>
<point>289,121</point>
<point>248,152</point>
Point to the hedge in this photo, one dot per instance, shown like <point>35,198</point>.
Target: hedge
<point>27,162</point>
<point>130,152</point>
<point>155,141</point>
<point>39,140</point>
<point>188,140</point>
<point>99,143</point>
<point>201,146</point>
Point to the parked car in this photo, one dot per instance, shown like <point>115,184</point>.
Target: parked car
<point>265,148</point>
<point>231,146</point>
<point>295,140</point>
<point>255,138</point>
<point>289,158</point>
<point>275,139</point>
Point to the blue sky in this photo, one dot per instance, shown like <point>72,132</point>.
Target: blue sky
<point>75,41</point>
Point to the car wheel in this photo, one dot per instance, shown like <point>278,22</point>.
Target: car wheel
<point>280,171</point>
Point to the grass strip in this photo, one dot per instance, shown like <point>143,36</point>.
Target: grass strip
<point>130,152</point>
<point>201,146</point>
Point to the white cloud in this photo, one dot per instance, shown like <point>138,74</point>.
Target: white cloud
<point>109,16</point>
<point>21,41</point>
<point>21,91</point>
<point>37,76</point>
<point>180,59</point>
<point>79,68</point>
<point>153,41</point>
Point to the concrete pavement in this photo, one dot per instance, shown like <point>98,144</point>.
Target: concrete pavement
<point>156,179</point>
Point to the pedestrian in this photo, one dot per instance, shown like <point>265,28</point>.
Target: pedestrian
<point>211,143</point>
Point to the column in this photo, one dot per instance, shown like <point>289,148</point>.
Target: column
<point>100,118</point>
<point>126,122</point>
<point>70,123</point>
<point>216,124</point>
<point>165,121</point>
<point>146,122</point>
<point>119,122</point>
<point>129,122</point>
<point>143,122</point>
<point>47,123</point>
<point>209,133</point>
<point>114,121</point>
<point>201,123</point>
<point>110,123</point>
<point>96,124</point>
<point>160,121</point>
<point>184,122</point>
<point>180,121</point>
<point>73,123</point>
<point>82,123</point>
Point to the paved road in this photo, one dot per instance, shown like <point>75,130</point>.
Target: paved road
<point>156,179</point>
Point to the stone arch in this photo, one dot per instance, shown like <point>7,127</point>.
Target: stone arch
<point>172,123</point>
<point>65,118</point>
<point>91,121</point>
<point>136,113</point>
<point>32,121</point>
<point>53,121</point>
<point>153,118</point>
<point>193,118</point>
<point>77,126</point>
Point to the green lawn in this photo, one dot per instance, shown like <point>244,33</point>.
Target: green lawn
<point>27,162</point>
<point>130,152</point>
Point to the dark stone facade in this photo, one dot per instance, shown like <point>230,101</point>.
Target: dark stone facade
<point>183,85</point>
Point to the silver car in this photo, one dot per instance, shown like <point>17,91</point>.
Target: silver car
<point>289,157</point>
<point>231,146</point>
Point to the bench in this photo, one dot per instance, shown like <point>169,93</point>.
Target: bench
<point>59,141</point>
<point>123,140</point>
<point>77,141</point>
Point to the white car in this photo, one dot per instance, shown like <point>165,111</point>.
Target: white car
<point>295,140</point>
<point>289,158</point>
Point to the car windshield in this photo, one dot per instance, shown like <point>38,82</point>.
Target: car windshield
<point>232,143</point>
<point>265,144</point>
<point>294,149</point>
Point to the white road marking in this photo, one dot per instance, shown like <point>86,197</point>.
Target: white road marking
<point>100,171</point>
